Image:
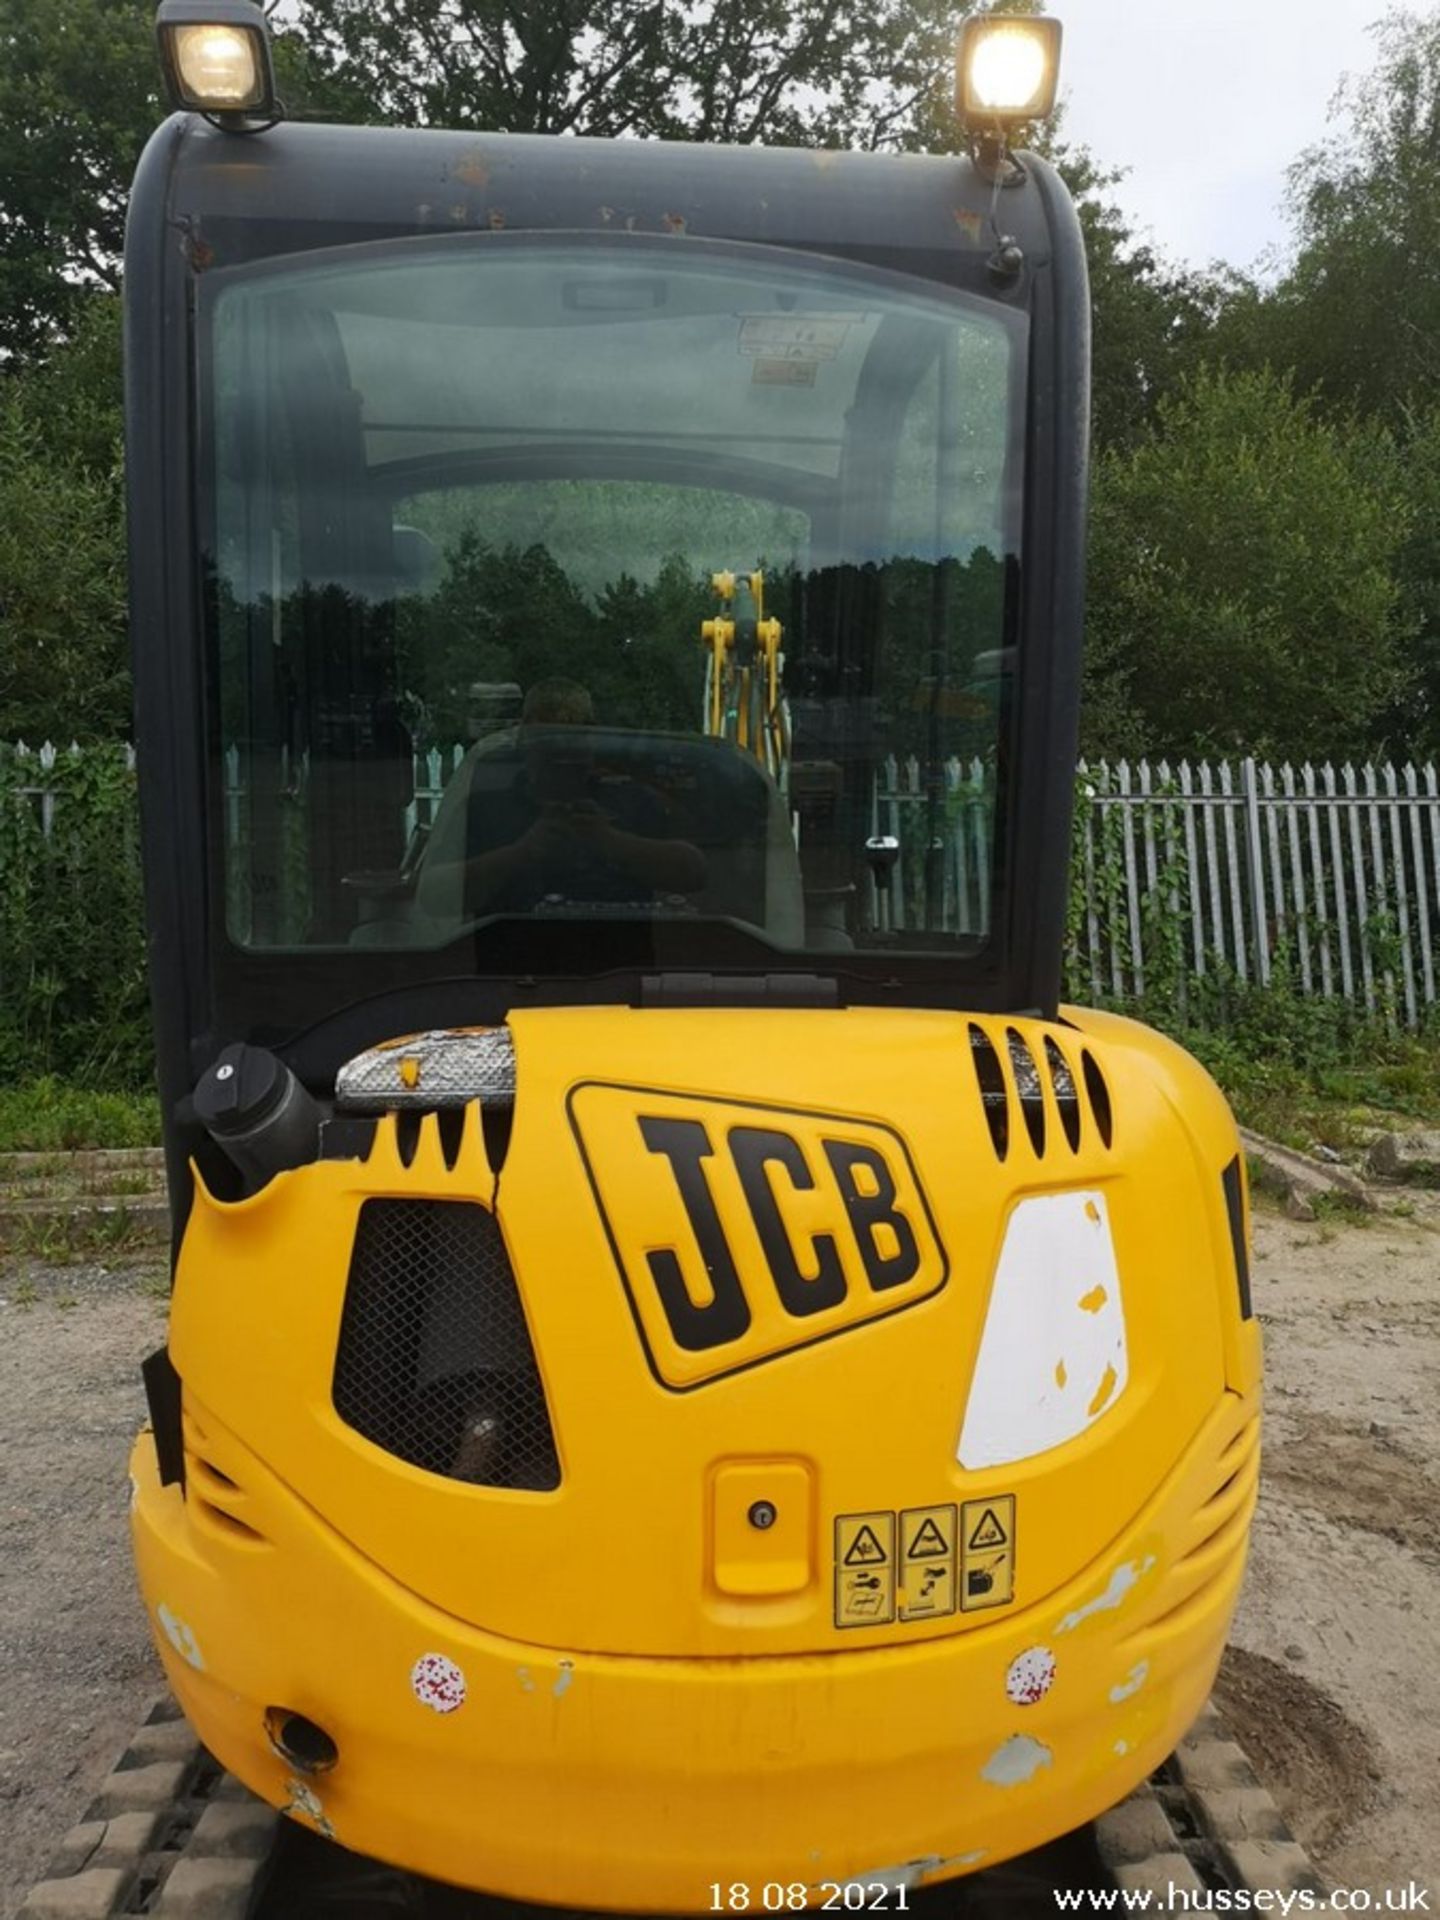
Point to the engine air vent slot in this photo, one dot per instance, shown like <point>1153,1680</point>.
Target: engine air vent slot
<point>1067,1095</point>
<point>435,1362</point>
<point>994,1094</point>
<point>1099,1095</point>
<point>1029,1090</point>
<point>229,1524</point>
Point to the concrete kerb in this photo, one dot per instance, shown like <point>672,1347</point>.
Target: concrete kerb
<point>78,1190</point>
<point>170,1835</point>
<point>1297,1180</point>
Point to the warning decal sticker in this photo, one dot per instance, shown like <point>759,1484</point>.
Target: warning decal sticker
<point>864,1569</point>
<point>927,1562</point>
<point>987,1553</point>
<point>922,1563</point>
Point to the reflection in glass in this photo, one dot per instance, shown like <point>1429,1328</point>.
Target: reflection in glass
<point>659,583</point>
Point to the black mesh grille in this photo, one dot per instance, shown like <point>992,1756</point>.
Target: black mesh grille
<point>435,1362</point>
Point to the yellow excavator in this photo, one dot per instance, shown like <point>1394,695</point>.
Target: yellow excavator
<point>694,1382</point>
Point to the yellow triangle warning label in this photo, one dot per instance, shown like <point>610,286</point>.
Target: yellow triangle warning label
<point>989,1533</point>
<point>865,1549</point>
<point>929,1543</point>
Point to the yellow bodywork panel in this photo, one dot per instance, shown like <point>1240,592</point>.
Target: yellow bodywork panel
<point>835,1366</point>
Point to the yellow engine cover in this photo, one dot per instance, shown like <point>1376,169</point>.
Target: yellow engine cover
<point>838,1359</point>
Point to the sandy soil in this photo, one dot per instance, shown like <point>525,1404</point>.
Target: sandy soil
<point>1333,1681</point>
<point>76,1668</point>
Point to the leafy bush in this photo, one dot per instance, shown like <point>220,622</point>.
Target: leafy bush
<point>49,1116</point>
<point>73,996</point>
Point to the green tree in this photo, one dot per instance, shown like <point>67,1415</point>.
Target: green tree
<point>802,72</point>
<point>64,666</point>
<point>1152,322</point>
<point>1358,313</point>
<point>1243,593</point>
<point>79,94</point>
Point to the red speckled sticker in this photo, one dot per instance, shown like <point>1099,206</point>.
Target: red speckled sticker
<point>438,1682</point>
<point>1031,1676</point>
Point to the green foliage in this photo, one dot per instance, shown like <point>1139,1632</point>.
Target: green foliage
<point>79,94</point>
<point>1307,1071</point>
<point>1358,314</point>
<point>72,949</point>
<point>1243,596</point>
<point>64,665</point>
<point>49,1115</point>
<point>1153,323</point>
<point>791,71</point>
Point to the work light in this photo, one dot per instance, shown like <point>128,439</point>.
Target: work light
<point>1007,69</point>
<point>216,55</point>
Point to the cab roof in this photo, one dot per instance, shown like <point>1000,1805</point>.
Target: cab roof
<point>298,186</point>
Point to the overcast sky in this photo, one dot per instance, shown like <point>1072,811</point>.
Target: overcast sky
<point>1207,102</point>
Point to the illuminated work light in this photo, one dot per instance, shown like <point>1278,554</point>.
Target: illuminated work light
<point>1008,68</point>
<point>216,55</point>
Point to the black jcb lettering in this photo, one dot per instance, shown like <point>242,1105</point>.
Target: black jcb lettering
<point>686,1145</point>
<point>868,1211</point>
<point>752,1148</point>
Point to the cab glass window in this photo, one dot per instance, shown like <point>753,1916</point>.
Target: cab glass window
<point>666,585</point>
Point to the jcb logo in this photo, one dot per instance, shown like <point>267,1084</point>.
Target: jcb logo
<point>743,1231</point>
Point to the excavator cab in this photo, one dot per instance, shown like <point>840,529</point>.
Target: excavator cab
<point>689,1369</point>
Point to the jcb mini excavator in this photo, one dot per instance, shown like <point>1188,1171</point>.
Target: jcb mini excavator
<point>694,1383</point>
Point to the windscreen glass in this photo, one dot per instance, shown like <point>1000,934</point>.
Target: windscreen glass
<point>665,585</point>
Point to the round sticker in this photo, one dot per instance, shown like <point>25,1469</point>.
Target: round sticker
<point>438,1682</point>
<point>1031,1676</point>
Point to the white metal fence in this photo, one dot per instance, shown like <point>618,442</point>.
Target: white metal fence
<point>1329,879</point>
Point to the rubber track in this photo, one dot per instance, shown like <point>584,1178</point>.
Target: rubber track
<point>170,1834</point>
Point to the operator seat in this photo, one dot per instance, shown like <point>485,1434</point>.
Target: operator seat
<point>717,798</point>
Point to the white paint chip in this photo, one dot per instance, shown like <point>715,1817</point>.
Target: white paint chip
<point>1018,1760</point>
<point>913,1873</point>
<point>438,1683</point>
<point>894,1878</point>
<point>1129,1574</point>
<point>181,1638</point>
<point>1031,1676</point>
<point>563,1679</point>
<point>1053,1356</point>
<point>1132,1682</point>
<point>303,1803</point>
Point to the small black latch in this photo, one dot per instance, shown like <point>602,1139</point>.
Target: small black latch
<point>739,990</point>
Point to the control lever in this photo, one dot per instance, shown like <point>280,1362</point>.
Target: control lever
<point>882,850</point>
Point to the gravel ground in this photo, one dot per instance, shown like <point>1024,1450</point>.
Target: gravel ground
<point>1333,1681</point>
<point>76,1669</point>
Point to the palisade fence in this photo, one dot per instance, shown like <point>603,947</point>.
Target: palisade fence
<point>1326,879</point>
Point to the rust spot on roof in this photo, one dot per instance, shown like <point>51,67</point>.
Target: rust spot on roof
<point>496,219</point>
<point>674,222</point>
<point>472,170</point>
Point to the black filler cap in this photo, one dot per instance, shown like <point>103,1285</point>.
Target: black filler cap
<point>241,1090</point>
